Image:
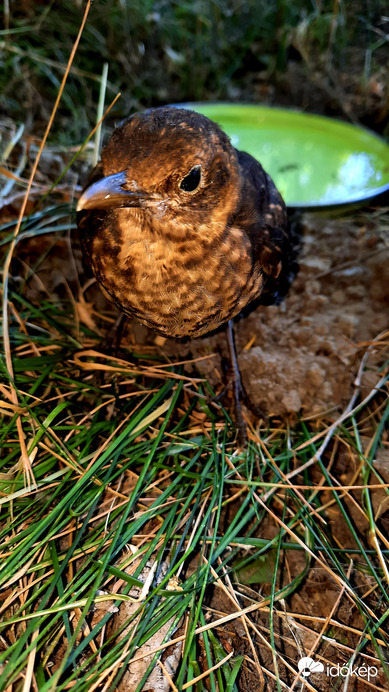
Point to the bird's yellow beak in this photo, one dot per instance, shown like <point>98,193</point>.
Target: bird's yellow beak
<point>108,193</point>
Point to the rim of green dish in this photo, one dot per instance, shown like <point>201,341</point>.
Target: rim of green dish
<point>321,120</point>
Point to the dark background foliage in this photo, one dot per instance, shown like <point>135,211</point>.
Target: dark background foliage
<point>328,57</point>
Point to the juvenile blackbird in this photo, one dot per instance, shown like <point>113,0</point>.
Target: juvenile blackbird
<point>181,229</point>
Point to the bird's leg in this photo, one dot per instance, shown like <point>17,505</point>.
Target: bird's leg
<point>113,337</point>
<point>235,382</point>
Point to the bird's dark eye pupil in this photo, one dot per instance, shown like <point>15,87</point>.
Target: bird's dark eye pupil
<point>192,180</point>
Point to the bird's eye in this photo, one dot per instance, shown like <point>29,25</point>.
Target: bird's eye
<point>192,180</point>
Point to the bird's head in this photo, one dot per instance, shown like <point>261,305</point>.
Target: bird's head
<point>171,163</point>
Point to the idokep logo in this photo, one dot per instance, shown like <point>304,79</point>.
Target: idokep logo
<point>307,666</point>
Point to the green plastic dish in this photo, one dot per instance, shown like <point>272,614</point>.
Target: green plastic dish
<point>314,161</point>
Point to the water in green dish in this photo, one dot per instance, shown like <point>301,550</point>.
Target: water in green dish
<point>314,161</point>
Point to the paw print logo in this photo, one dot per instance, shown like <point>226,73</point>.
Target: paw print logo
<point>307,666</point>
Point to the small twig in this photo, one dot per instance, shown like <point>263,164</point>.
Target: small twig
<point>207,672</point>
<point>168,676</point>
<point>349,263</point>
